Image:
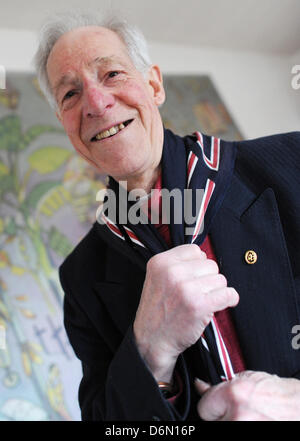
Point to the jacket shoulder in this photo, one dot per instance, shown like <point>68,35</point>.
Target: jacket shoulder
<point>290,140</point>
<point>270,161</point>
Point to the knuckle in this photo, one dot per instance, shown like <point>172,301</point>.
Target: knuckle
<point>173,274</point>
<point>180,292</point>
<point>195,249</point>
<point>233,296</point>
<point>212,266</point>
<point>153,264</point>
<point>187,297</point>
<point>196,252</point>
<point>228,295</point>
<point>221,280</point>
<point>157,263</point>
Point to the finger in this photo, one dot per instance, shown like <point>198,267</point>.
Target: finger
<point>176,255</point>
<point>201,386</point>
<point>213,406</point>
<point>196,268</point>
<point>187,252</point>
<point>223,298</point>
<point>247,374</point>
<point>212,282</point>
<point>216,300</point>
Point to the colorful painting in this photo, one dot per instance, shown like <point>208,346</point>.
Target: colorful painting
<point>47,204</point>
<point>192,104</point>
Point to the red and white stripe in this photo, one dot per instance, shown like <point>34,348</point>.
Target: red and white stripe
<point>191,164</point>
<point>204,343</point>
<point>115,230</point>
<point>213,161</point>
<point>223,353</point>
<point>209,188</point>
<point>133,237</point>
<point>112,226</point>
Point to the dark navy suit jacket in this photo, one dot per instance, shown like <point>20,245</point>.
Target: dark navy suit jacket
<point>261,212</point>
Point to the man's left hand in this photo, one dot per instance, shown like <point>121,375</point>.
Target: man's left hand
<point>250,396</point>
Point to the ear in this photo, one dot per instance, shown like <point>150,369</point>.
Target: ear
<point>155,81</point>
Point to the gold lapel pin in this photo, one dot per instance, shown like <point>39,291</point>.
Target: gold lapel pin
<point>250,257</point>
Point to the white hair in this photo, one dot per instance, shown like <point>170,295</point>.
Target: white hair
<point>61,23</point>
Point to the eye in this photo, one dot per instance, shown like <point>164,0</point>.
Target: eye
<point>69,95</point>
<point>112,74</point>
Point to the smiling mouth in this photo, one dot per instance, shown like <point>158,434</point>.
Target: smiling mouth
<point>108,133</point>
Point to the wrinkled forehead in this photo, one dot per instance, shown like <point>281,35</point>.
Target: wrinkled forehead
<point>76,49</point>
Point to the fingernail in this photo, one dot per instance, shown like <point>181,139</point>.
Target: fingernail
<point>197,380</point>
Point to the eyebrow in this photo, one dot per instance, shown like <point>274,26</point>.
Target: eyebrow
<point>69,79</point>
<point>103,60</point>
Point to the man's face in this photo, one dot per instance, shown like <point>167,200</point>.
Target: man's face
<point>99,93</point>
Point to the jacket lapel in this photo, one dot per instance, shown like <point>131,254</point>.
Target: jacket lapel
<point>267,310</point>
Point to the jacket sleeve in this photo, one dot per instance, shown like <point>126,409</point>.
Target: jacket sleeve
<point>116,385</point>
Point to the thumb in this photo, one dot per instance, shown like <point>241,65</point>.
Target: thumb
<point>201,386</point>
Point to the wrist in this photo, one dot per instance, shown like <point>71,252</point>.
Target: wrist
<point>160,363</point>
<point>163,373</point>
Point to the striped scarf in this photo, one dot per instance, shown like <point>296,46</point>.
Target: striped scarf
<point>193,162</point>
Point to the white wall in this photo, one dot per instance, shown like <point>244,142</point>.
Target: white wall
<point>256,88</point>
<point>17,49</point>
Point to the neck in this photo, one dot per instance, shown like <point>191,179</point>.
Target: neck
<point>147,178</point>
<point>144,182</point>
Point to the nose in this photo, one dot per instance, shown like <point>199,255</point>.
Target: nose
<point>96,102</point>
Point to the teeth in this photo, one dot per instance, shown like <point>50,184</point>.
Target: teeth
<point>110,132</point>
<point>114,130</point>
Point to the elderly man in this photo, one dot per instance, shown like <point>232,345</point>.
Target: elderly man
<point>173,323</point>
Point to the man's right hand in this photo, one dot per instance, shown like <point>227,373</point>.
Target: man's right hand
<point>182,291</point>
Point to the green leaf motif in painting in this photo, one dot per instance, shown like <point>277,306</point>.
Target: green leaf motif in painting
<point>10,133</point>
<point>59,242</point>
<point>3,169</point>
<point>48,159</point>
<point>35,131</point>
<point>6,183</point>
<point>36,194</point>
